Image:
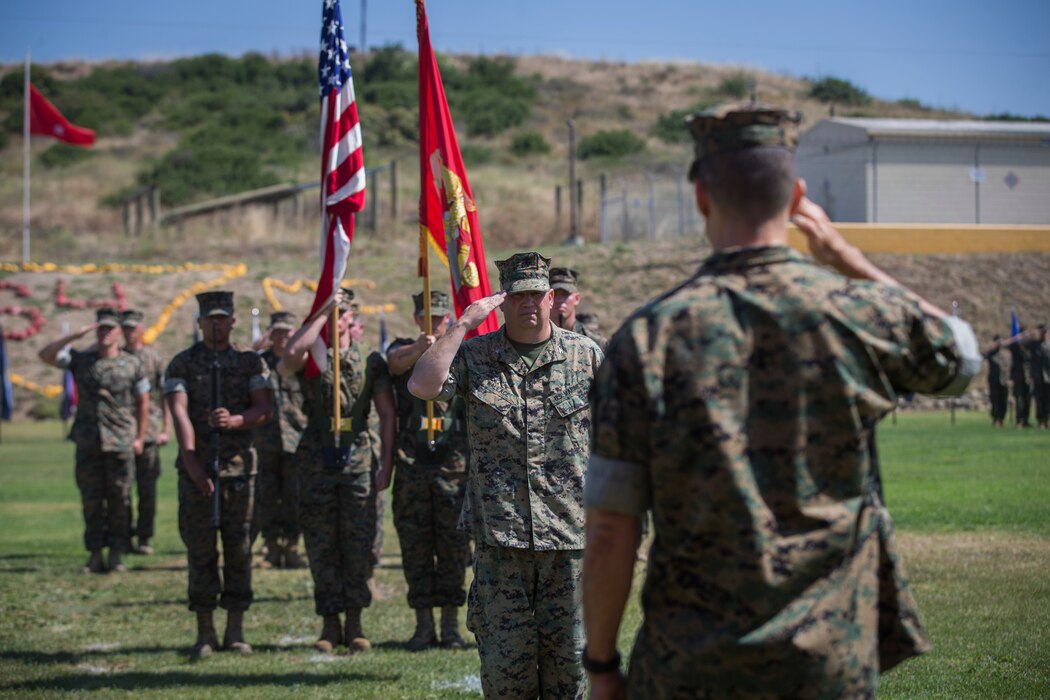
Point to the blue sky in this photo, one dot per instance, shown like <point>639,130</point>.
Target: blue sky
<point>983,57</point>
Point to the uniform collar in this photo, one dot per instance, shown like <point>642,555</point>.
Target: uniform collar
<point>553,351</point>
<point>739,259</point>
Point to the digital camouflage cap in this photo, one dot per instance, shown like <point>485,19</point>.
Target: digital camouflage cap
<point>524,272</point>
<point>131,318</point>
<point>564,278</point>
<point>346,301</point>
<point>215,304</point>
<point>739,127</point>
<point>107,316</point>
<point>439,305</point>
<point>283,320</point>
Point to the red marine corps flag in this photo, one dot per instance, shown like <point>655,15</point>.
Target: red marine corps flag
<point>46,120</point>
<point>342,168</point>
<point>448,219</point>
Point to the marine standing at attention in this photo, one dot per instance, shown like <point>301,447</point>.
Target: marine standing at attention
<point>245,400</point>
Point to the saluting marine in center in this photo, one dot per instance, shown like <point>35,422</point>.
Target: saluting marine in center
<point>528,425</point>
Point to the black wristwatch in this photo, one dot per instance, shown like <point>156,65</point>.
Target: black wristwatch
<point>600,667</point>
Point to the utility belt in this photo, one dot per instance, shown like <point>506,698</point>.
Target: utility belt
<point>425,452</point>
<point>335,459</point>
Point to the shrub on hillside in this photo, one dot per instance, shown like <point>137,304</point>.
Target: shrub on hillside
<point>61,154</point>
<point>473,154</point>
<point>528,143</point>
<point>839,91</point>
<point>735,86</point>
<point>489,112</point>
<point>185,174</point>
<point>609,144</point>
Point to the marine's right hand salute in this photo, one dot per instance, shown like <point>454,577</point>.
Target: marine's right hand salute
<point>432,368</point>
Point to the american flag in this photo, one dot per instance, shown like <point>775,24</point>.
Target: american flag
<point>342,166</point>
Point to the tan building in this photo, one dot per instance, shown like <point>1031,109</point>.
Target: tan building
<point>927,171</point>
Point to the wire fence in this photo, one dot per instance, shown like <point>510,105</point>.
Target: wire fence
<point>655,204</point>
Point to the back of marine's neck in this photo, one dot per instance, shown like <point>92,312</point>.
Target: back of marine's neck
<point>727,233</point>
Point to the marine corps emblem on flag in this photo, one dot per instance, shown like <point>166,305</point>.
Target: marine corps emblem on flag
<point>457,225</point>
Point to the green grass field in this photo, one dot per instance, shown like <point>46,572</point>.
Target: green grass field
<point>971,504</point>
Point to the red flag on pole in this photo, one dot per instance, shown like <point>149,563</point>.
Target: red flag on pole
<point>447,216</point>
<point>342,169</point>
<point>45,120</point>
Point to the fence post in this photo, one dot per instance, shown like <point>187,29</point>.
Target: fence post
<point>557,207</point>
<point>154,205</point>
<point>652,207</point>
<point>601,208</point>
<point>393,190</point>
<point>681,205</point>
<point>625,233</point>
<point>373,210</point>
<point>126,215</point>
<point>138,213</point>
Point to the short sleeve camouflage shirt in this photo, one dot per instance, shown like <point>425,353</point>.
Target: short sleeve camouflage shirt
<point>153,367</point>
<point>741,407</point>
<point>242,373</point>
<point>107,391</point>
<point>283,431</point>
<point>529,433</point>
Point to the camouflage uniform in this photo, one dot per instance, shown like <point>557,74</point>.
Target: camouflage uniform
<point>277,500</point>
<point>147,464</point>
<point>528,430</point>
<point>741,407</point>
<point>998,382</point>
<point>337,506</point>
<point>1039,363</point>
<point>428,497</point>
<point>242,373</point>
<point>567,279</point>
<point>1020,370</point>
<point>104,431</point>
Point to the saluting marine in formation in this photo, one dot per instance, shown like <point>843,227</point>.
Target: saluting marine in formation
<point>528,423</point>
<point>338,482</point>
<point>109,431</point>
<point>245,401</point>
<point>277,504</point>
<point>998,380</point>
<point>429,482</point>
<point>147,464</point>
<point>740,409</point>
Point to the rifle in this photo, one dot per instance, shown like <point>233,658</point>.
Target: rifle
<point>216,440</point>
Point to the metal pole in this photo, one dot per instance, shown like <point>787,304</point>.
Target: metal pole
<point>574,231</point>
<point>25,166</point>
<point>977,184</point>
<point>874,181</point>
<point>364,13</point>
<point>337,408</point>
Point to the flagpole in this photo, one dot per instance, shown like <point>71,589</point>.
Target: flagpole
<point>428,324</point>
<point>25,166</point>
<point>337,409</point>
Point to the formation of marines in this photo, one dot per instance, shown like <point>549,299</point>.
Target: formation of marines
<point>547,454</point>
<point>1020,365</point>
